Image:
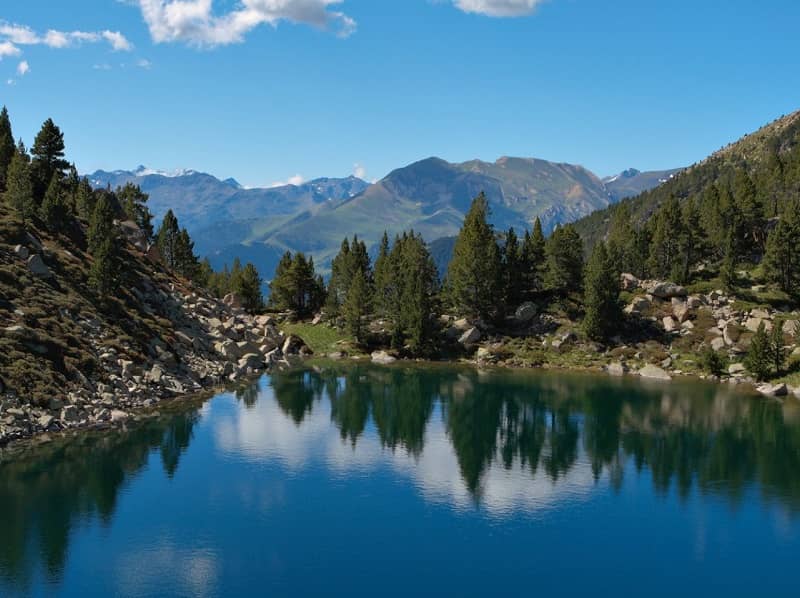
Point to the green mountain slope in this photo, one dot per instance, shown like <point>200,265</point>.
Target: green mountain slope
<point>771,156</point>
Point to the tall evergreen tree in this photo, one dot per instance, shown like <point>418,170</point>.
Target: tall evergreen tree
<point>104,272</point>
<point>782,257</point>
<point>356,306</point>
<point>48,157</point>
<point>7,147</point>
<point>533,260</point>
<point>758,360</point>
<point>19,186</point>
<point>296,286</point>
<point>134,203</point>
<point>665,246</point>
<point>381,276</point>
<point>473,276</point>
<point>777,349</point>
<point>249,289</point>
<point>564,260</point>
<point>84,199</point>
<point>602,287</point>
<point>513,282</point>
<point>101,223</point>
<point>752,211</point>
<point>53,211</point>
<point>167,240</point>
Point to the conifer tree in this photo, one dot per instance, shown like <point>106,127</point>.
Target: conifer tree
<point>134,204</point>
<point>381,276</point>
<point>777,350</point>
<point>101,223</point>
<point>341,273</point>
<point>296,286</point>
<point>104,273</point>
<point>19,186</point>
<point>602,288</point>
<point>533,260</point>
<point>48,157</point>
<point>758,360</point>
<point>782,256</point>
<point>84,199</point>
<point>473,276</point>
<point>667,231</point>
<point>512,275</point>
<point>356,306</point>
<point>749,205</point>
<point>53,211</point>
<point>249,289</point>
<point>186,263</point>
<point>7,147</point>
<point>104,270</point>
<point>411,288</point>
<point>564,260</point>
<point>167,240</point>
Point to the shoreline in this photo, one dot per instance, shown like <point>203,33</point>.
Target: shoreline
<point>143,412</point>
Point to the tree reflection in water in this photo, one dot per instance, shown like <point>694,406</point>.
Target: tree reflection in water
<point>685,435</point>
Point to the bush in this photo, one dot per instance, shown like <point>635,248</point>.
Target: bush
<point>713,362</point>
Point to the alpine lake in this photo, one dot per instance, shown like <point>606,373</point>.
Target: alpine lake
<point>348,479</point>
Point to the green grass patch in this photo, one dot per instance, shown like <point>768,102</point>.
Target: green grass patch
<point>322,338</point>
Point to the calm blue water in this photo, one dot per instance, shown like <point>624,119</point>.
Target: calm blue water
<point>424,481</point>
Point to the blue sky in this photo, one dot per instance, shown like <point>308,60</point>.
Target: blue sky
<point>267,90</point>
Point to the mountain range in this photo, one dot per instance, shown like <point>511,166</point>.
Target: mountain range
<point>430,196</point>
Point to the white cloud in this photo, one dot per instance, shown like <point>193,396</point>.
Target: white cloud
<point>23,68</point>
<point>296,180</point>
<point>12,35</point>
<point>143,63</point>
<point>103,66</point>
<point>498,8</point>
<point>359,171</point>
<point>8,49</point>
<point>195,22</point>
<point>11,82</point>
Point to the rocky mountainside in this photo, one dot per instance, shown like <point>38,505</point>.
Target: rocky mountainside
<point>70,360</point>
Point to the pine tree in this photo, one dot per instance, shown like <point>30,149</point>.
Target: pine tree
<point>782,256</point>
<point>777,350</point>
<point>602,288</point>
<point>689,240</point>
<point>752,211</point>
<point>533,260</point>
<point>104,271</point>
<point>249,289</point>
<point>512,275</point>
<point>101,224</point>
<point>342,268</point>
<point>296,286</point>
<point>53,211</point>
<point>381,276</point>
<point>473,276</point>
<point>205,274</point>
<point>84,199</point>
<point>167,240</point>
<point>665,247</point>
<point>48,157</point>
<point>186,263</point>
<point>134,203</point>
<point>411,293</point>
<point>356,306</point>
<point>19,187</point>
<point>564,260</point>
<point>758,360</point>
<point>7,147</point>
